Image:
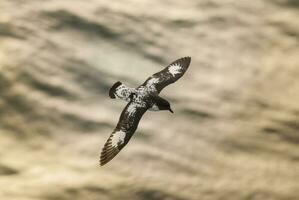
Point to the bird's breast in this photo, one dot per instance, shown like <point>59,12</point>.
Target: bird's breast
<point>154,107</point>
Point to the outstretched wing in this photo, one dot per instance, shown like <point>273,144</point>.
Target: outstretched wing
<point>124,130</point>
<point>168,75</point>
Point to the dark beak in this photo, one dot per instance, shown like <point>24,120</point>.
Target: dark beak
<point>170,110</point>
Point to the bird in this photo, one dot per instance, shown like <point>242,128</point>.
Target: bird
<point>144,97</point>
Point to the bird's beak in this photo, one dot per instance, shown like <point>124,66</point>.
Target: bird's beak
<point>170,110</point>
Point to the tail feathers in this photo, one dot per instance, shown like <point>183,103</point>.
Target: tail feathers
<point>121,91</point>
<point>112,90</point>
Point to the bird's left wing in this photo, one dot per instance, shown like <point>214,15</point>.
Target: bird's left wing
<point>168,75</point>
<point>127,125</point>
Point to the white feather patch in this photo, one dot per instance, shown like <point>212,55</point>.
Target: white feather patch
<point>152,81</point>
<point>131,109</point>
<point>174,69</point>
<point>154,108</point>
<point>118,93</point>
<point>118,138</point>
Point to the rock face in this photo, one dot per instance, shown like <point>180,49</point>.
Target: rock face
<point>235,132</point>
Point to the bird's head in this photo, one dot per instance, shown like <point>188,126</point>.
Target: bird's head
<point>164,105</point>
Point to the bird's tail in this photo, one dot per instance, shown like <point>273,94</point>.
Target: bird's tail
<point>120,91</point>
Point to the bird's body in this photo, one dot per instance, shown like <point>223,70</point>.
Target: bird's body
<point>143,98</point>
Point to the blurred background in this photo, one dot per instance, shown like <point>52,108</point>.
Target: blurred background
<point>235,131</point>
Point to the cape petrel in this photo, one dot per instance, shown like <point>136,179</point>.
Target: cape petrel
<point>144,97</point>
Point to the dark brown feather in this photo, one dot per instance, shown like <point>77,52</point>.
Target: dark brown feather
<point>127,123</point>
<point>165,77</point>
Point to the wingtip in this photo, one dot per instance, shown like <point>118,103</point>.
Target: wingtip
<point>108,153</point>
<point>104,160</point>
<point>186,60</point>
<point>101,160</point>
<point>102,163</point>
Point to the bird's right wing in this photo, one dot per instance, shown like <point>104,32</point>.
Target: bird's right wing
<point>127,125</point>
<point>168,75</point>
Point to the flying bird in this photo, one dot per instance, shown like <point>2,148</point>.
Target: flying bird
<point>144,97</point>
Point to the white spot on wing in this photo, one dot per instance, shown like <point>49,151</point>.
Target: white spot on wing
<point>151,84</point>
<point>152,81</point>
<point>131,109</point>
<point>174,69</point>
<point>118,138</point>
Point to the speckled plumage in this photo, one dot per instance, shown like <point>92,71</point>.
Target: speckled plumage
<point>143,98</point>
